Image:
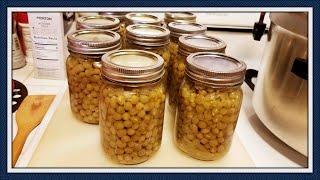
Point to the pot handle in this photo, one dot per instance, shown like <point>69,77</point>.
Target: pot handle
<point>300,68</point>
<point>250,73</point>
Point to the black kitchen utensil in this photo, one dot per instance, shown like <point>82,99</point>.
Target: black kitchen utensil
<point>18,94</point>
<point>250,73</point>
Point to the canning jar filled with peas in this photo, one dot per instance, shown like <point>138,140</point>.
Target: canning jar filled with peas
<point>190,44</point>
<point>132,101</point>
<point>179,17</point>
<point>178,29</point>
<point>209,104</point>
<point>100,22</point>
<point>83,65</point>
<point>150,38</point>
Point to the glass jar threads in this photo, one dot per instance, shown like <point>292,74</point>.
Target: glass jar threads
<point>83,70</point>
<point>179,17</point>
<point>151,38</point>
<point>100,22</point>
<point>190,44</point>
<point>209,104</point>
<point>142,18</point>
<point>132,100</point>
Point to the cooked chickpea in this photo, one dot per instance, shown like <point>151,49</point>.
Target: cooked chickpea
<point>135,129</point>
<point>84,82</point>
<point>203,131</point>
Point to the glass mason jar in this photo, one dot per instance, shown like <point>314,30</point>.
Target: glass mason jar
<point>150,38</point>
<point>83,70</point>
<point>209,104</point>
<point>179,17</point>
<point>190,44</point>
<point>178,29</point>
<point>100,22</point>
<point>132,102</point>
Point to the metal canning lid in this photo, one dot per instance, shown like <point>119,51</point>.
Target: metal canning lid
<point>179,17</point>
<point>142,18</point>
<point>178,29</point>
<point>98,22</point>
<point>215,69</point>
<point>147,35</point>
<point>93,41</point>
<point>119,15</point>
<point>197,43</point>
<point>132,66</point>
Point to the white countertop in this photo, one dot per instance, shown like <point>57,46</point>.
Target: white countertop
<point>263,148</point>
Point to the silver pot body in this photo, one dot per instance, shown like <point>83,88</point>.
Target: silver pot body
<point>281,93</point>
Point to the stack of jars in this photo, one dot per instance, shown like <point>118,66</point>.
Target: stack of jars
<point>119,72</point>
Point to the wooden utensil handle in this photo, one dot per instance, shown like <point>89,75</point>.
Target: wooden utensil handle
<point>17,145</point>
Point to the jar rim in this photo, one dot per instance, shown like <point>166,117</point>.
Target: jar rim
<point>130,19</point>
<point>113,23</point>
<point>117,71</point>
<point>178,17</point>
<point>83,46</point>
<point>117,14</point>
<point>215,69</point>
<point>186,46</point>
<point>147,39</point>
<point>175,31</point>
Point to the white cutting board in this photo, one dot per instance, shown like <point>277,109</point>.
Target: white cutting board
<point>68,142</point>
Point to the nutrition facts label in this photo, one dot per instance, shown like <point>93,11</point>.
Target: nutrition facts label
<point>47,38</point>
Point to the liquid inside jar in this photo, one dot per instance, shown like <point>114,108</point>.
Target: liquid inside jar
<point>206,119</point>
